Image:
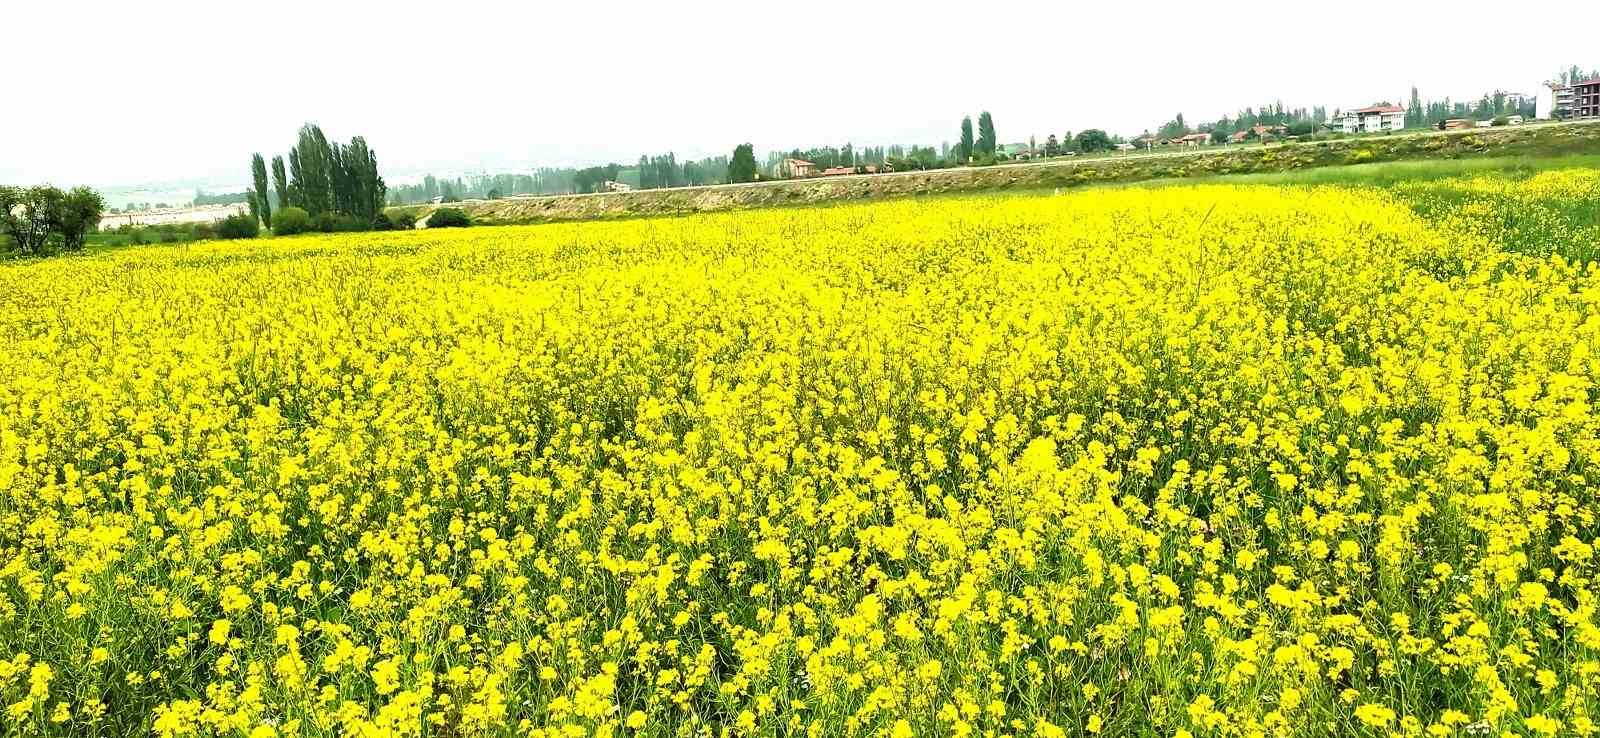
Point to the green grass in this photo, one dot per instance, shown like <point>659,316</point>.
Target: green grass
<point>1390,173</point>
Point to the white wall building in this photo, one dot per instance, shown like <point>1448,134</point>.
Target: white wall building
<point>1374,119</point>
<point>164,216</point>
<point>1555,101</point>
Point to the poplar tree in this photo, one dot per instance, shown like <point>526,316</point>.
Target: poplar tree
<point>743,166</point>
<point>280,182</point>
<point>259,201</point>
<point>986,139</point>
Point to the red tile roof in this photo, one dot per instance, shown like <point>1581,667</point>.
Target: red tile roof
<point>1380,109</point>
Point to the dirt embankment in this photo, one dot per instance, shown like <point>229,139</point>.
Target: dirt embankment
<point>1532,140</point>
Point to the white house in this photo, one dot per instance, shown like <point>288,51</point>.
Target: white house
<point>1373,119</point>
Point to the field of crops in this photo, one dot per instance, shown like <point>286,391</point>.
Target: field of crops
<point>1181,462</point>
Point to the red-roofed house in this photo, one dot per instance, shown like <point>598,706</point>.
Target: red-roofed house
<point>794,169</point>
<point>1586,98</point>
<point>1373,119</point>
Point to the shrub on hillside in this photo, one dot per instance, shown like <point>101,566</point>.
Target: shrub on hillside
<point>449,218</point>
<point>239,226</point>
<point>289,221</point>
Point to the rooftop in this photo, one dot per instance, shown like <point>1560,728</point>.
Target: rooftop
<point>1380,109</point>
<point>1587,82</point>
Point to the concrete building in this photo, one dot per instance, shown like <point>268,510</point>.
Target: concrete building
<point>1586,99</point>
<point>1373,119</point>
<point>794,169</point>
<point>1555,101</point>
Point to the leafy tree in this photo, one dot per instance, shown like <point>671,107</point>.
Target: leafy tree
<point>291,220</point>
<point>986,139</point>
<point>30,216</point>
<point>239,226</point>
<point>25,215</point>
<point>1092,140</point>
<point>1415,113</point>
<point>964,147</point>
<point>1173,128</point>
<point>449,218</point>
<point>79,212</point>
<point>260,206</point>
<point>742,168</point>
<point>1051,146</point>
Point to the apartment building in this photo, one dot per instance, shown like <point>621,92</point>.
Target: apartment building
<point>1373,119</point>
<point>1585,99</point>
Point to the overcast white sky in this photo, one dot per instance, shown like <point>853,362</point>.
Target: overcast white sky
<point>138,92</point>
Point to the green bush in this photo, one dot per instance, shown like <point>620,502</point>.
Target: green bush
<point>449,218</point>
<point>289,221</point>
<point>239,226</point>
<point>336,223</point>
<point>345,223</point>
<point>394,222</point>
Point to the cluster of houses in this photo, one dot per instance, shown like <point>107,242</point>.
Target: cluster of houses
<point>1575,101</point>
<point>792,168</point>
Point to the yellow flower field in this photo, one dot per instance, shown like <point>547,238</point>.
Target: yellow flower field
<point>1187,461</point>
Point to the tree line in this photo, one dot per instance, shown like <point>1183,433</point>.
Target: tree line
<point>1491,106</point>
<point>40,219</point>
<point>650,172</point>
<point>324,180</point>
